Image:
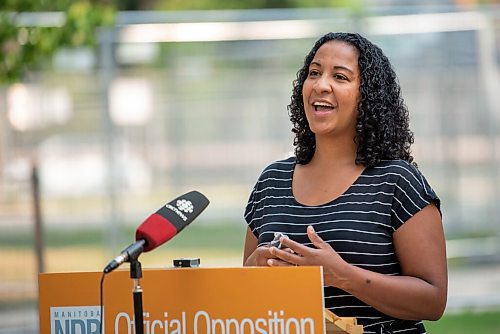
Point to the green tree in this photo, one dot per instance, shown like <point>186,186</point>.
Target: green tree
<point>25,45</point>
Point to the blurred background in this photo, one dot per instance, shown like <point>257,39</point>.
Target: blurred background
<point>110,109</point>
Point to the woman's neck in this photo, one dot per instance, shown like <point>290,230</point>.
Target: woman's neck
<point>334,153</point>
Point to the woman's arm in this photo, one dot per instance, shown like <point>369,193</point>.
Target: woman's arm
<point>421,291</point>
<point>250,246</point>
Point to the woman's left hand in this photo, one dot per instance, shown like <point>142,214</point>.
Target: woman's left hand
<point>335,269</point>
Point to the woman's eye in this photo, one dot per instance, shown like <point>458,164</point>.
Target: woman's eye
<point>340,77</point>
<point>313,73</point>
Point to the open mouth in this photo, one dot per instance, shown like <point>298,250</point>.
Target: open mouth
<point>321,106</point>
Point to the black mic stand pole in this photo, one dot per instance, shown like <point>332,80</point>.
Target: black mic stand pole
<point>136,274</point>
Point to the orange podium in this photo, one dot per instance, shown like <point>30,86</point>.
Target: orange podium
<point>189,301</point>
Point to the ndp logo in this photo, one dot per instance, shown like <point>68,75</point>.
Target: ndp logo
<point>75,320</point>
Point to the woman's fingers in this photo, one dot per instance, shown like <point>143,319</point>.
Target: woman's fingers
<point>316,239</point>
<point>302,249</point>
<point>279,263</point>
<point>298,254</point>
<point>286,255</point>
<point>293,246</point>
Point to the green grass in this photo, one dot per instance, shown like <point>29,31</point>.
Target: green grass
<point>228,236</point>
<point>486,322</point>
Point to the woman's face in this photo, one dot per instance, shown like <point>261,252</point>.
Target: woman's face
<point>331,90</point>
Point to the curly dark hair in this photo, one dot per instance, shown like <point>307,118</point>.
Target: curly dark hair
<point>382,129</point>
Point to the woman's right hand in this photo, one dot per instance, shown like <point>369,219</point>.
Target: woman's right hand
<point>259,257</point>
<point>255,255</point>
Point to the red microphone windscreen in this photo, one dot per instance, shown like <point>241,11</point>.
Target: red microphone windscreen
<point>156,230</point>
<point>170,219</point>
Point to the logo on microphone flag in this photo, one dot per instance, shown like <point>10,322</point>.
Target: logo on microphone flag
<point>75,320</point>
<point>185,205</point>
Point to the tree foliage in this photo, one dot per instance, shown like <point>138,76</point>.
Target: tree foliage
<point>25,45</point>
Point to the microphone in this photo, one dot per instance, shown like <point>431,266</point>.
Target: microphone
<point>162,226</point>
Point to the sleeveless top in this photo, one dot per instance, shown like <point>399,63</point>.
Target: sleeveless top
<point>358,224</point>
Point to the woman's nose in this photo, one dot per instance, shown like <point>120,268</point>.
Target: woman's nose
<point>323,84</point>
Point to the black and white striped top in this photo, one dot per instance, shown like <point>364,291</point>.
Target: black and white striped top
<point>358,224</point>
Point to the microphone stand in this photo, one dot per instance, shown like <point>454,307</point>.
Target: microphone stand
<point>136,274</point>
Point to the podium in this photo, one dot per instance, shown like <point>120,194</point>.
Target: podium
<point>191,301</point>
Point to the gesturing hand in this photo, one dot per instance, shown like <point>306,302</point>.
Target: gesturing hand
<point>260,256</point>
<point>295,254</point>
